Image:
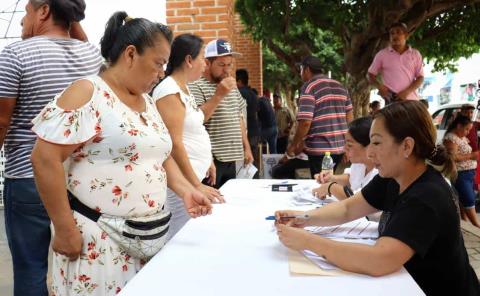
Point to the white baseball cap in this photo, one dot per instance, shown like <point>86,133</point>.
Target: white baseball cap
<point>219,48</point>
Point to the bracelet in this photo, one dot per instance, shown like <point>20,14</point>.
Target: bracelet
<point>329,187</point>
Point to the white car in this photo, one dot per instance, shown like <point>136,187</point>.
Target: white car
<point>445,114</point>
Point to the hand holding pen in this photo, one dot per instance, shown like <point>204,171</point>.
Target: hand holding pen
<point>292,218</point>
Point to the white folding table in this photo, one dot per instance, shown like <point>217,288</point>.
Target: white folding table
<point>236,252</point>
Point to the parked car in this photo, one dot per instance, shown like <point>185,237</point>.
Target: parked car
<point>445,114</point>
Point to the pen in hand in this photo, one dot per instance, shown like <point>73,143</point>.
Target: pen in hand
<point>302,216</point>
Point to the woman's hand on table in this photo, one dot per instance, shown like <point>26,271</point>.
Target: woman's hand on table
<point>321,192</point>
<point>211,193</point>
<point>68,242</point>
<point>291,237</point>
<point>290,218</point>
<point>196,203</point>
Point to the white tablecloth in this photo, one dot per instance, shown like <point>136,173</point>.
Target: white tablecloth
<point>235,251</point>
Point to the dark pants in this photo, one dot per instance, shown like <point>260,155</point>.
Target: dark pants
<point>28,234</point>
<point>315,162</point>
<point>254,141</point>
<point>282,144</point>
<point>287,170</point>
<point>269,135</point>
<point>225,172</point>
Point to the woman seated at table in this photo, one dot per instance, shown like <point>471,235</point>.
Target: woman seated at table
<point>420,228</point>
<point>466,161</point>
<point>362,169</point>
<point>119,154</point>
<point>184,120</point>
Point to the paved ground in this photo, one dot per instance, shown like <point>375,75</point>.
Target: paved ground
<point>471,236</point>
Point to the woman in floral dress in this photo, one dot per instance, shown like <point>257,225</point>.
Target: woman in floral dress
<point>118,153</point>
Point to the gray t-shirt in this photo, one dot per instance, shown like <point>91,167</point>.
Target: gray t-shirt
<point>224,125</point>
<point>33,71</point>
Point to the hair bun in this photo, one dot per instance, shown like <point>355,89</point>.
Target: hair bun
<point>69,10</point>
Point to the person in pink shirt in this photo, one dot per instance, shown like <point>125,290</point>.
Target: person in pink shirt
<point>400,66</point>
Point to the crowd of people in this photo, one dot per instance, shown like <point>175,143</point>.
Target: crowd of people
<point>104,155</point>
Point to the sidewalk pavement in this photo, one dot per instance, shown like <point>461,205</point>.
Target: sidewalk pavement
<point>471,236</point>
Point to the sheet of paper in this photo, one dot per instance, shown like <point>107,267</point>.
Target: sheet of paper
<point>358,229</point>
<point>328,266</point>
<point>303,196</point>
<point>299,264</point>
<point>247,172</point>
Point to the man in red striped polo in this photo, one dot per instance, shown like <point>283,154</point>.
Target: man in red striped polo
<point>324,111</point>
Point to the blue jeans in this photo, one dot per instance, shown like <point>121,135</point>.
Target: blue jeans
<point>28,233</point>
<point>464,186</point>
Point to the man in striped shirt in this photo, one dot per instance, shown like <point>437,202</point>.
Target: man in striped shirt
<point>223,105</point>
<point>324,111</point>
<point>32,72</point>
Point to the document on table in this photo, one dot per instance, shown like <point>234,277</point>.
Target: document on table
<point>358,229</point>
<point>303,196</point>
<point>307,262</point>
<point>246,172</point>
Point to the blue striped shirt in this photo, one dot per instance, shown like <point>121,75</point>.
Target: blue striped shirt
<point>33,71</point>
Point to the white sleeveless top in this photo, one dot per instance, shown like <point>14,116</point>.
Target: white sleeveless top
<point>195,137</point>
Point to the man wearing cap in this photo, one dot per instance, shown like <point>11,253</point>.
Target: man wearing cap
<point>224,107</point>
<point>32,72</point>
<point>400,66</point>
<point>324,111</point>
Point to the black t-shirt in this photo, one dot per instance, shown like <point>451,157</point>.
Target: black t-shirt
<point>266,115</point>
<point>252,109</point>
<point>425,218</point>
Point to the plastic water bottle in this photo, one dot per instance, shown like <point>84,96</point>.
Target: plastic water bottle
<point>327,164</point>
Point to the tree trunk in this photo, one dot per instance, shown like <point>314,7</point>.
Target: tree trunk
<point>360,94</point>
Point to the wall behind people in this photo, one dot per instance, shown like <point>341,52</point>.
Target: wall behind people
<point>217,19</point>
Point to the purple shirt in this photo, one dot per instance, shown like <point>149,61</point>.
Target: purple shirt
<point>398,70</point>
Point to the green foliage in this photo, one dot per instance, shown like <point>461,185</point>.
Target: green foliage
<point>346,34</point>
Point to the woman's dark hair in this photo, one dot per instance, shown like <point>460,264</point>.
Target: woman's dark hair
<point>360,130</point>
<point>411,119</point>
<point>64,12</point>
<point>183,45</point>
<point>459,119</point>
<point>122,31</point>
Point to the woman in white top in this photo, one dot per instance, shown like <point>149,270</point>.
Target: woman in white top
<point>184,120</point>
<point>362,170</point>
<point>466,161</point>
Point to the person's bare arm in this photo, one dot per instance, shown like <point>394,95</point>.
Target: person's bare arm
<point>301,132</point>
<point>349,116</point>
<point>223,88</point>
<point>7,105</point>
<point>172,112</point>
<point>411,88</point>
<point>382,89</point>
<point>388,255</point>
<point>453,149</point>
<point>248,156</point>
<point>77,32</point>
<point>47,162</point>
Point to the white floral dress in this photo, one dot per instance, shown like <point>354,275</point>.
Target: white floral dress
<point>117,170</point>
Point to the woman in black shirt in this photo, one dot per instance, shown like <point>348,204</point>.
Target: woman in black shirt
<point>420,228</point>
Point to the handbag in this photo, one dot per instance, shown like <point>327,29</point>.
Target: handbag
<point>139,237</point>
